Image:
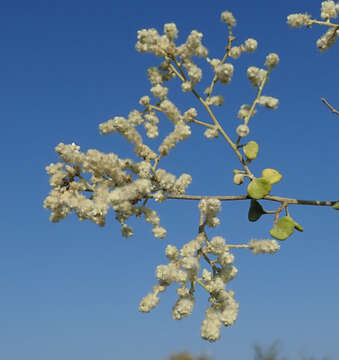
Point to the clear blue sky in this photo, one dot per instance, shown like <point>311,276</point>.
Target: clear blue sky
<point>71,290</point>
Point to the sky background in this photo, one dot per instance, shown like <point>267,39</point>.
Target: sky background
<point>71,290</point>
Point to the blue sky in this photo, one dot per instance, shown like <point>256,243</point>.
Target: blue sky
<point>71,290</point>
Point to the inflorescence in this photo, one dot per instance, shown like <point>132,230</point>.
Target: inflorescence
<point>92,183</point>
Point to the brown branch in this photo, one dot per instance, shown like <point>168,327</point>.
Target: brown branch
<point>330,106</point>
<point>245,197</point>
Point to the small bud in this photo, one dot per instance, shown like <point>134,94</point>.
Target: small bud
<point>238,179</point>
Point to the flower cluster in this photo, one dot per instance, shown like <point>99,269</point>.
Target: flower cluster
<point>228,18</point>
<point>209,209</point>
<point>211,132</point>
<point>184,269</point>
<point>263,246</point>
<point>298,20</point>
<point>256,76</point>
<point>329,10</point>
<point>244,111</point>
<point>223,72</point>
<point>268,101</point>
<point>328,39</point>
<point>111,185</point>
<point>250,45</point>
<point>149,40</point>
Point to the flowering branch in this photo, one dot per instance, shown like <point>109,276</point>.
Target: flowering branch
<point>92,183</point>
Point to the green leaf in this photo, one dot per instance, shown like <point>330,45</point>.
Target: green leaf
<point>298,227</point>
<point>271,175</point>
<point>255,211</point>
<point>251,150</point>
<point>283,228</point>
<point>258,188</point>
<point>336,206</point>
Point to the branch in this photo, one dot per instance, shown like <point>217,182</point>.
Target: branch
<point>330,106</point>
<point>246,197</point>
<point>183,78</point>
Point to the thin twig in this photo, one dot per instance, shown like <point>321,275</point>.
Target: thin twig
<point>203,123</point>
<point>228,49</point>
<point>283,206</point>
<point>330,106</point>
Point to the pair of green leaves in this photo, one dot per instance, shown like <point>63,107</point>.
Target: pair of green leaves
<point>284,228</point>
<point>260,187</point>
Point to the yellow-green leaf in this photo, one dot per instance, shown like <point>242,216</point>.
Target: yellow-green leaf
<point>258,188</point>
<point>336,206</point>
<point>255,211</point>
<point>283,228</point>
<point>298,226</point>
<point>251,150</point>
<point>271,175</point>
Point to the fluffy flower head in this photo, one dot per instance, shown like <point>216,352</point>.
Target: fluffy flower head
<point>228,18</point>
